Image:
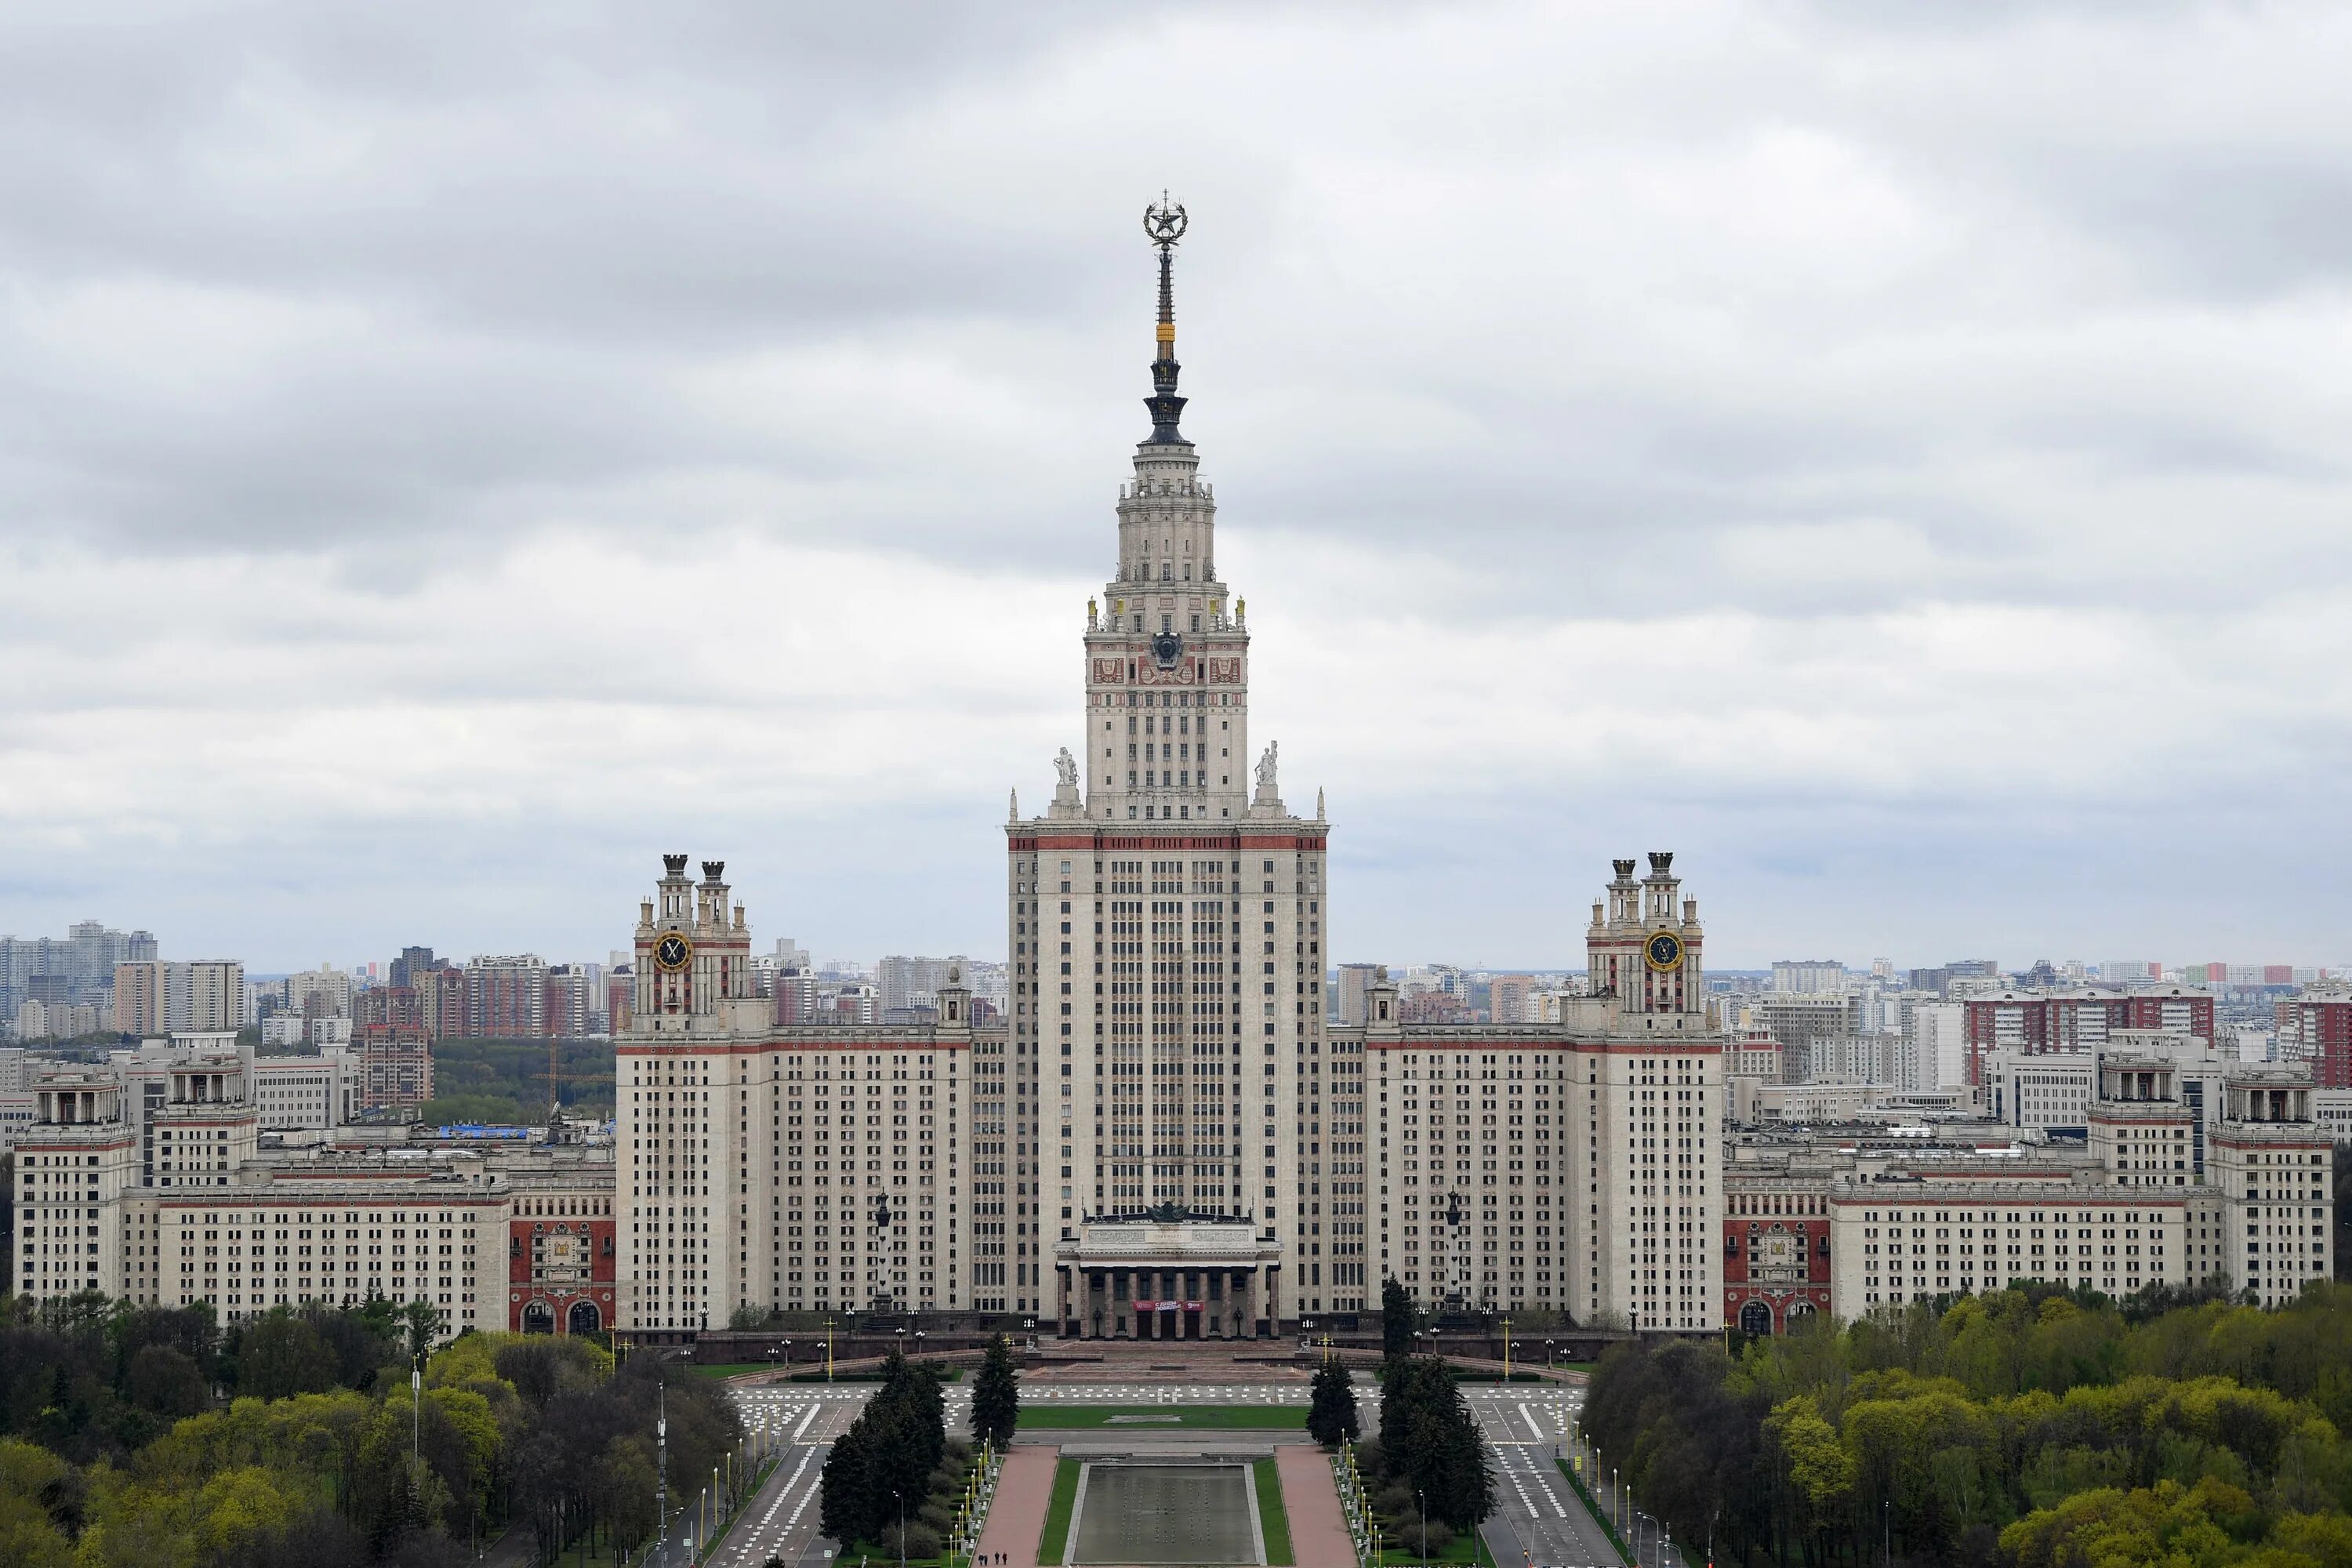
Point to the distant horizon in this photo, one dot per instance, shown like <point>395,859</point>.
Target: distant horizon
<point>1763,971</point>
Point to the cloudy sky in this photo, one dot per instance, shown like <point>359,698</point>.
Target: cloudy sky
<point>449,455</point>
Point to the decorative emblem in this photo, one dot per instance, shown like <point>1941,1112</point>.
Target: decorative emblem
<point>673,951</point>
<point>1165,223</point>
<point>1664,951</point>
<point>1166,648</point>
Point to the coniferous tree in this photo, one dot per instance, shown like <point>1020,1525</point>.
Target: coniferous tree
<point>1331,1407</point>
<point>1398,1318</point>
<point>1430,1441</point>
<point>996,1395</point>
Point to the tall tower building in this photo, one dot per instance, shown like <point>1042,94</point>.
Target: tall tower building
<point>1167,933</point>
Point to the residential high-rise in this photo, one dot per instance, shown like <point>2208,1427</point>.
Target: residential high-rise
<point>505,998</point>
<point>1510,999</point>
<point>1808,976</point>
<point>77,968</point>
<point>157,996</point>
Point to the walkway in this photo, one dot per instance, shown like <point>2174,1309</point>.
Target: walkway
<point>1016,1516</point>
<point>1318,1531</point>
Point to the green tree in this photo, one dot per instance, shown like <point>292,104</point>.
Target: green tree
<point>1398,1318</point>
<point>1331,1405</point>
<point>281,1354</point>
<point>423,1322</point>
<point>996,1395</point>
<point>625,1479</point>
<point>163,1382</point>
<point>1430,1441</point>
<point>30,1532</point>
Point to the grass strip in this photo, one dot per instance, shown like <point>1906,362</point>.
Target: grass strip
<point>1149,1417</point>
<point>1272,1520</point>
<point>1053,1540</point>
<point>1592,1506</point>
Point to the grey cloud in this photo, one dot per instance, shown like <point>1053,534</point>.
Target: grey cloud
<point>1493,317</point>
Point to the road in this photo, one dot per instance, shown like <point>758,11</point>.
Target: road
<point>781,1520</point>
<point>1541,1520</point>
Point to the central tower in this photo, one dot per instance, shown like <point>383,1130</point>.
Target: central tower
<point>1167,676</point>
<point>1167,926</point>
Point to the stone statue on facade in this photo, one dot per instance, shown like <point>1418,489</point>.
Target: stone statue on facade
<point>1265,769</point>
<point>1067,767</point>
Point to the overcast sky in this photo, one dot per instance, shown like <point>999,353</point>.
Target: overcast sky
<point>450,455</point>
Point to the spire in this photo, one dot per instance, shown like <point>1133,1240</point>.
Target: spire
<point>1165,225</point>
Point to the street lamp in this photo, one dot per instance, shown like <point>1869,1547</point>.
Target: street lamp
<point>1547,1353</point>
<point>1423,1503</point>
<point>902,1527</point>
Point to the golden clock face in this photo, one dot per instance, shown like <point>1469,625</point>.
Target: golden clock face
<point>1663,951</point>
<point>673,951</point>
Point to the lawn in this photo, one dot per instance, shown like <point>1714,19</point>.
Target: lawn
<point>1150,1418</point>
<point>1273,1519</point>
<point>1055,1536</point>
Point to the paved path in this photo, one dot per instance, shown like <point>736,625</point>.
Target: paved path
<point>1016,1516</point>
<point>1318,1531</point>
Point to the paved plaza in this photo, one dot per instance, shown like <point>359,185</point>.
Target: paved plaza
<point>1539,1520</point>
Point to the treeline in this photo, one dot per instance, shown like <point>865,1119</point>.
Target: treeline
<point>2028,1428</point>
<point>505,1081</point>
<point>895,1463</point>
<point>141,1439</point>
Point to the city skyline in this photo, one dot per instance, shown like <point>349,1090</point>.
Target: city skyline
<point>1914,504</point>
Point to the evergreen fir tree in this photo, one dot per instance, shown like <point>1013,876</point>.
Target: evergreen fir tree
<point>996,1395</point>
<point>1331,1408</point>
<point>1398,1318</point>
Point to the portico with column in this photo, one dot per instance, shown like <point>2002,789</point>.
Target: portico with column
<point>1150,1278</point>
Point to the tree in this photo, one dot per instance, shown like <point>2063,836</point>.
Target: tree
<point>281,1354</point>
<point>1331,1407</point>
<point>163,1382</point>
<point>422,1321</point>
<point>1430,1440</point>
<point>1398,1318</point>
<point>626,1478</point>
<point>996,1395</point>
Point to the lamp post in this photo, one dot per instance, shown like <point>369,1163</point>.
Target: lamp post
<point>828,1347</point>
<point>1423,1503</point>
<point>661,1462</point>
<point>1549,1364</point>
<point>902,1527</point>
<point>1506,1350</point>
